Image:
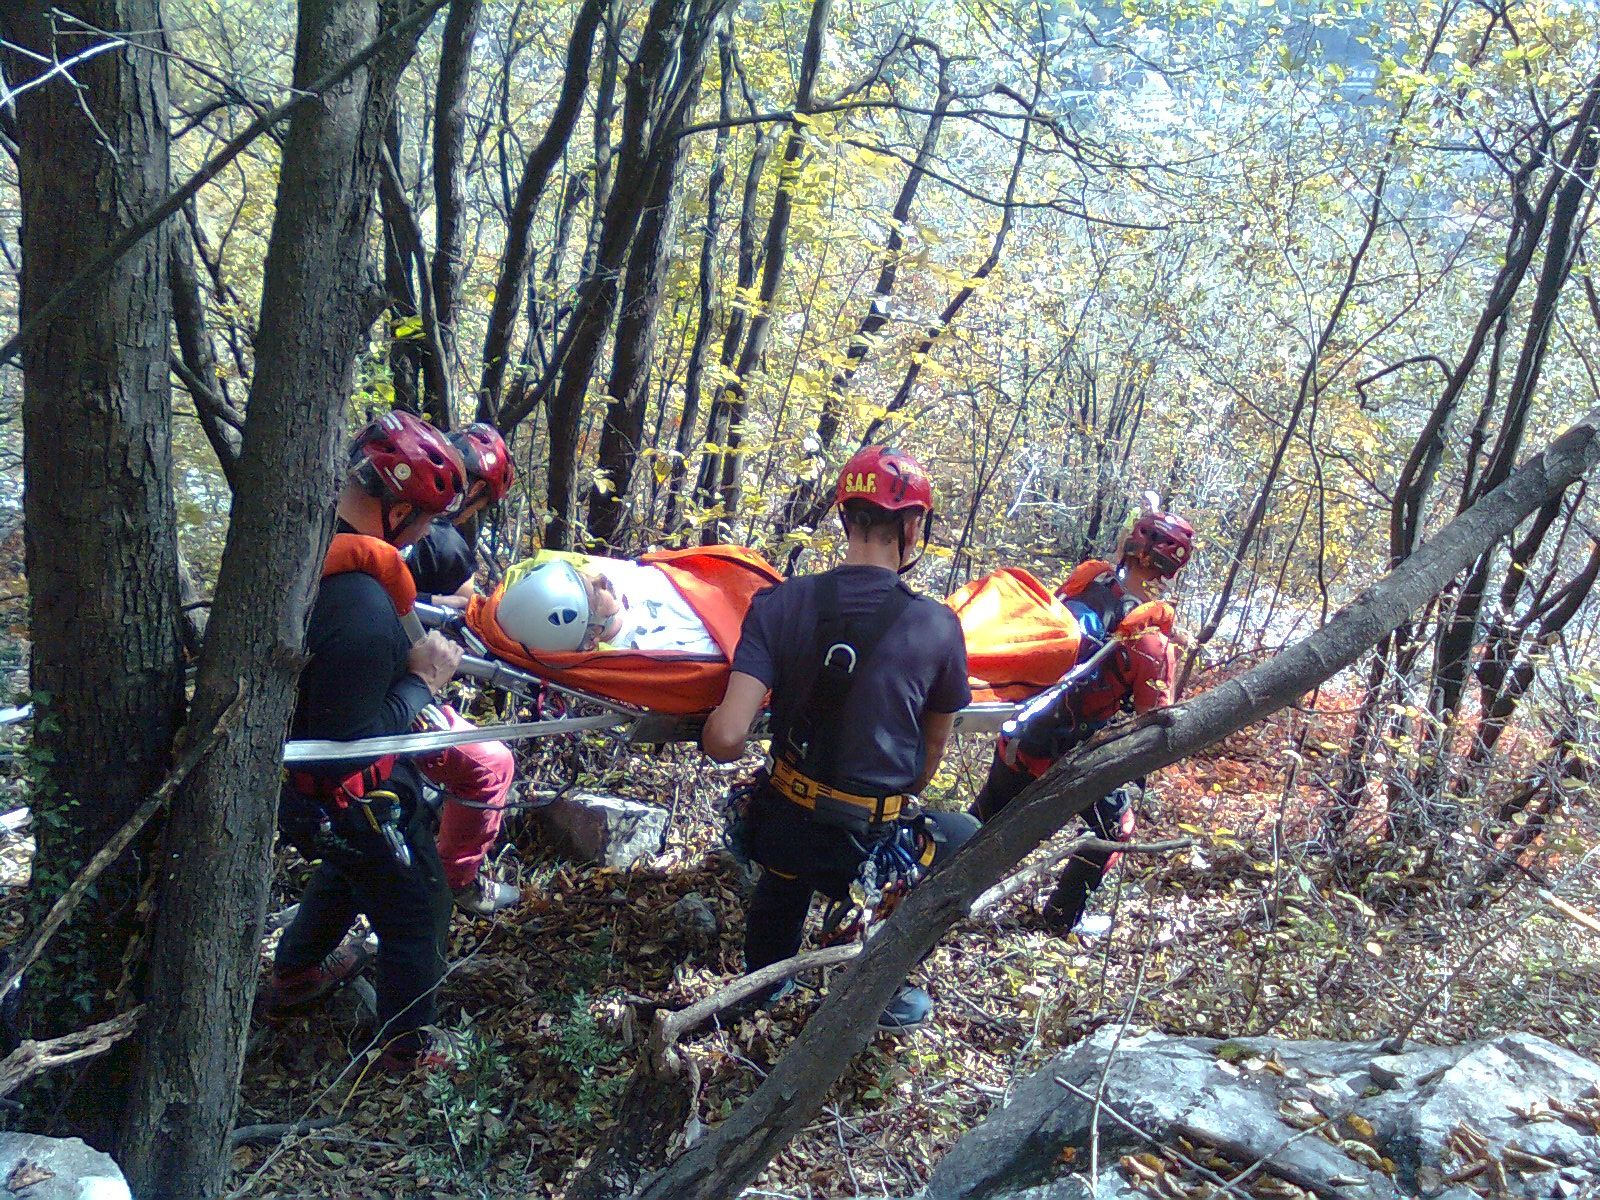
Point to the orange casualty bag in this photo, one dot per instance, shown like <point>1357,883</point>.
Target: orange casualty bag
<point>718,582</point>
<point>1020,638</point>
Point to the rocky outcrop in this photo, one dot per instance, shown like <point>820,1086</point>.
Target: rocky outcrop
<point>45,1168</point>
<point>1515,1115</point>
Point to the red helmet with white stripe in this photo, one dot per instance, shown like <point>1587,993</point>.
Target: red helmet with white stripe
<point>400,458</point>
<point>483,452</point>
<point>1162,540</point>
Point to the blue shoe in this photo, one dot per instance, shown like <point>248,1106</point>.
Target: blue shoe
<point>910,1009</point>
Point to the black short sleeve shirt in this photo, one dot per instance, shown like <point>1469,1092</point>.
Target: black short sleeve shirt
<point>919,667</point>
<point>441,561</point>
<point>357,682</point>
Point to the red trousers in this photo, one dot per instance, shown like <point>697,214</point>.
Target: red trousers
<point>476,780</point>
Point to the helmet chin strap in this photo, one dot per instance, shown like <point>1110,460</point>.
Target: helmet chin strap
<point>927,531</point>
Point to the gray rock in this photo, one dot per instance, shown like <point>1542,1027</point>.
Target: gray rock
<point>1227,1095</point>
<point>43,1168</point>
<point>695,919</point>
<point>607,830</point>
<point>1514,1071</point>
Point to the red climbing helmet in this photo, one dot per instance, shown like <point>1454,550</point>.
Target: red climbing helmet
<point>401,458</point>
<point>885,478</point>
<point>1163,540</point>
<point>483,452</point>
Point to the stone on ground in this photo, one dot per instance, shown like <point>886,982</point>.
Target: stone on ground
<point>44,1168</point>
<point>607,830</point>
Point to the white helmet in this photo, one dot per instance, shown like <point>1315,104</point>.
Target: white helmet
<point>547,609</point>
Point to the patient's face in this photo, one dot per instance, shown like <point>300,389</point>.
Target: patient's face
<point>605,609</point>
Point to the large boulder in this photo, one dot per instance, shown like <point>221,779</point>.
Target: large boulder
<point>607,830</point>
<point>44,1168</point>
<point>1336,1119</point>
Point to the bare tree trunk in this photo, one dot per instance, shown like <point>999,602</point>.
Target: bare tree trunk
<point>710,308</point>
<point>806,506</point>
<point>1416,478</point>
<point>400,225</point>
<point>1455,640</point>
<point>221,422</point>
<point>708,482</point>
<point>545,310</point>
<point>1310,383</point>
<point>99,510</point>
<point>662,84</point>
<point>406,350</point>
<point>628,388</point>
<point>731,1155</point>
<point>736,392</point>
<point>449,144</point>
<point>1514,684</point>
<point>217,858</point>
<point>517,258</point>
<point>605,113</point>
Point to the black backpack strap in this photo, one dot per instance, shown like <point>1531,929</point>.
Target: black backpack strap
<point>1109,599</point>
<point>844,647</point>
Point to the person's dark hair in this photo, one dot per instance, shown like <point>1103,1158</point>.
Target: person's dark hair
<point>871,521</point>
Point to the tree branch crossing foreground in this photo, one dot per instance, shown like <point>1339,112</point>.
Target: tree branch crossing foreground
<point>732,1155</point>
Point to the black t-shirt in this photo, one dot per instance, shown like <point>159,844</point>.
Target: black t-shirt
<point>919,667</point>
<point>357,684</point>
<point>440,561</point>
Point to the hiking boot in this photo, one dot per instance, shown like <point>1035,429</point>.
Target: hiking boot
<point>297,989</point>
<point>485,896</point>
<point>910,1009</point>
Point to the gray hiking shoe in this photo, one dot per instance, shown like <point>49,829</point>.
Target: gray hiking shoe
<point>486,895</point>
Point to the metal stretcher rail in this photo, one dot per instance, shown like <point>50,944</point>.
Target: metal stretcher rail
<point>641,725</point>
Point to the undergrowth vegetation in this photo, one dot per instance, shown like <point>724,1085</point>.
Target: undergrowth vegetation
<point>1257,928</point>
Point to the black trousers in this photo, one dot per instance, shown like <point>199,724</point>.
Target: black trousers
<point>1110,817</point>
<point>408,908</point>
<point>801,856</point>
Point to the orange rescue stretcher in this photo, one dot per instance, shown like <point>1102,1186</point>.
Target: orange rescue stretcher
<point>1020,641</point>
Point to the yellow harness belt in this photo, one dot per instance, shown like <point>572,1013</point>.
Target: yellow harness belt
<point>810,794</point>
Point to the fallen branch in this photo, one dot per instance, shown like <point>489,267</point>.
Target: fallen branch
<point>1560,905</point>
<point>190,752</point>
<point>670,1026</point>
<point>35,1058</point>
<point>251,1135</point>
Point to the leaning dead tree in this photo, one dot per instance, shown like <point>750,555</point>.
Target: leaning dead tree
<point>734,1153</point>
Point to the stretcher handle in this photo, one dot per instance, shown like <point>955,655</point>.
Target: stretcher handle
<point>448,620</point>
<point>498,674</point>
<point>1045,699</point>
